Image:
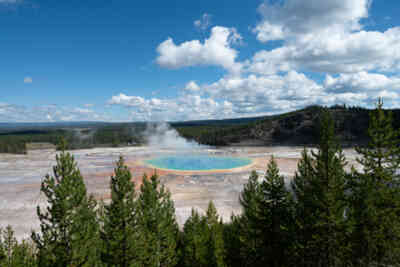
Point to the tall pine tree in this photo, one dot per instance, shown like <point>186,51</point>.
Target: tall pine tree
<point>216,248</point>
<point>275,218</point>
<point>302,187</point>
<point>120,230</point>
<point>157,225</point>
<point>375,195</point>
<point>321,185</point>
<point>69,229</point>
<point>250,231</point>
<point>232,242</point>
<point>195,241</point>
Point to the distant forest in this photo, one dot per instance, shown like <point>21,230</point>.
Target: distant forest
<point>108,135</point>
<point>326,216</point>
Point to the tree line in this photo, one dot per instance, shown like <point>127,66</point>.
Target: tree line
<point>326,216</point>
<point>15,142</point>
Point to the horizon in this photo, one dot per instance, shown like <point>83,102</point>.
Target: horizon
<point>187,121</point>
<point>188,61</point>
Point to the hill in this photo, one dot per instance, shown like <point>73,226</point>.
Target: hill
<point>294,128</point>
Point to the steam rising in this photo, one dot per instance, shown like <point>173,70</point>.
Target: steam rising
<point>162,135</point>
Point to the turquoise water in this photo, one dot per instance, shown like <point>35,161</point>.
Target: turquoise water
<point>198,162</point>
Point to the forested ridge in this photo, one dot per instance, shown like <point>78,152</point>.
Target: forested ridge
<point>326,216</point>
<point>298,128</point>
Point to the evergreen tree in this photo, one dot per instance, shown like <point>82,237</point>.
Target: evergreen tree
<point>375,195</point>
<point>9,243</point>
<point>69,229</point>
<point>24,255</point>
<point>2,249</point>
<point>157,225</point>
<point>304,214</point>
<point>275,218</point>
<point>195,241</point>
<point>119,233</point>
<point>322,177</point>
<point>232,242</point>
<point>216,249</point>
<point>15,255</point>
<point>250,230</point>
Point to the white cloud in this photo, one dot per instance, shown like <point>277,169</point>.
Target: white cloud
<point>28,79</point>
<point>192,86</point>
<point>334,53</point>
<point>216,50</point>
<point>323,36</point>
<point>186,107</point>
<point>83,110</point>
<point>266,93</point>
<point>47,113</point>
<point>299,17</point>
<point>204,22</point>
<point>126,100</point>
<point>361,81</point>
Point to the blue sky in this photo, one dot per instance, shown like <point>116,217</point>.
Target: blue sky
<point>182,60</point>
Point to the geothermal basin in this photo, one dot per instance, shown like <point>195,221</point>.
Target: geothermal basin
<point>191,185</point>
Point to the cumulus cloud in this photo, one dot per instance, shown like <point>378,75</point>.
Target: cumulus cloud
<point>299,17</point>
<point>361,81</point>
<point>323,36</point>
<point>192,86</point>
<point>185,107</point>
<point>216,50</point>
<point>266,93</point>
<point>28,79</point>
<point>334,53</point>
<point>204,22</point>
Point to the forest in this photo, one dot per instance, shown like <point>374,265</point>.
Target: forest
<point>326,216</point>
<point>86,136</point>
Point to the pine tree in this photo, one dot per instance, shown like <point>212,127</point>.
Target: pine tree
<point>9,243</point>
<point>232,242</point>
<point>250,230</point>
<point>69,229</point>
<point>23,255</point>
<point>323,179</point>
<point>157,225</point>
<point>275,218</point>
<point>216,249</point>
<point>2,249</point>
<point>375,198</point>
<point>304,214</point>
<point>15,254</point>
<point>119,233</point>
<point>195,241</point>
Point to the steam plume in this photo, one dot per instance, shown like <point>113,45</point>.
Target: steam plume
<point>162,135</point>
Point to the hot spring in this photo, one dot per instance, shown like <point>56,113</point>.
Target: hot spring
<point>197,162</point>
